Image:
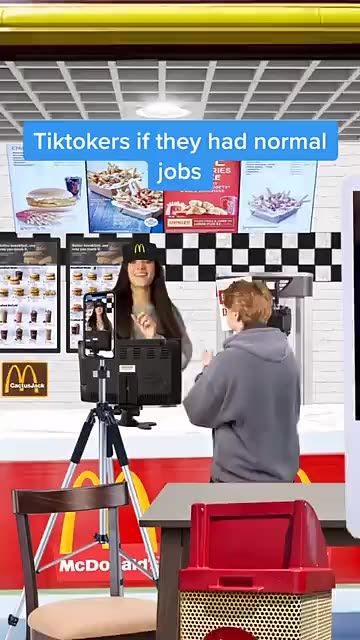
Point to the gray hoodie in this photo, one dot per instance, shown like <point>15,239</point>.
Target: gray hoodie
<point>250,396</point>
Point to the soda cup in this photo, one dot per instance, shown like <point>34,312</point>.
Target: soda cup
<point>33,334</point>
<point>33,316</point>
<point>3,316</point>
<point>48,335</point>
<point>19,334</point>
<point>48,315</point>
<point>4,334</point>
<point>73,186</point>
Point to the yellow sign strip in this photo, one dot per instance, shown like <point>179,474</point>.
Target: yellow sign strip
<point>179,24</point>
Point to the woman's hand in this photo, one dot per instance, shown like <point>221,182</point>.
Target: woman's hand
<point>146,324</point>
<point>207,358</point>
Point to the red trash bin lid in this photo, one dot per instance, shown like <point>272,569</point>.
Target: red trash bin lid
<point>229,633</point>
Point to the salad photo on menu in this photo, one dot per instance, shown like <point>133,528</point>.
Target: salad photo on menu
<point>47,197</point>
<point>120,200</point>
<point>277,196</point>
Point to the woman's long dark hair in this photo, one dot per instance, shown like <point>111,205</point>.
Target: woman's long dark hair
<point>92,320</point>
<point>159,298</point>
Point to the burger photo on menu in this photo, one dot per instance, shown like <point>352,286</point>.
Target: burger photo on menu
<point>120,200</point>
<point>47,197</point>
<point>216,211</point>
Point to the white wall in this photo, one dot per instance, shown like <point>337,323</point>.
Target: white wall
<point>196,300</point>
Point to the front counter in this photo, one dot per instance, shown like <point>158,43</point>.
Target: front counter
<point>36,443</point>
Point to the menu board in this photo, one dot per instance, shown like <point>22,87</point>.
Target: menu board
<point>277,196</point>
<point>120,201</point>
<point>216,211</point>
<point>93,265</point>
<point>29,294</point>
<point>47,197</point>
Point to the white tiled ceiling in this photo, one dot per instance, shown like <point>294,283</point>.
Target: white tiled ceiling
<point>209,89</point>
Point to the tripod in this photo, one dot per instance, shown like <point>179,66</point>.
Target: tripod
<point>110,441</point>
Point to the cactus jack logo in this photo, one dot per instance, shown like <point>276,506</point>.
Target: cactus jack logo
<point>24,379</point>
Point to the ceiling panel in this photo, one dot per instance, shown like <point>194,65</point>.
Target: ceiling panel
<point>226,89</point>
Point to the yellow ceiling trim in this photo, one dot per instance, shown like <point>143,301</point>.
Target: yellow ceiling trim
<point>178,24</point>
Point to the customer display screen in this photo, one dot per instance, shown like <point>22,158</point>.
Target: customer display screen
<point>29,294</point>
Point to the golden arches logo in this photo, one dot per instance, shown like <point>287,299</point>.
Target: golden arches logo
<point>303,477</point>
<point>139,248</point>
<point>21,378</point>
<point>68,528</point>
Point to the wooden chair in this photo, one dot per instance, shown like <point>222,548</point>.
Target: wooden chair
<point>110,617</point>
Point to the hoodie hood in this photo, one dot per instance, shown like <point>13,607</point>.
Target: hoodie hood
<point>267,343</point>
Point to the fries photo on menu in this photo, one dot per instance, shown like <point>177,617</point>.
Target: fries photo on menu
<point>120,200</point>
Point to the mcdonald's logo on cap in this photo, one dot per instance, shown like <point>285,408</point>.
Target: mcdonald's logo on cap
<point>139,248</point>
<point>25,379</point>
<point>68,527</point>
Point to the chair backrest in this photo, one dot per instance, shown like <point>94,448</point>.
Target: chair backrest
<point>27,503</point>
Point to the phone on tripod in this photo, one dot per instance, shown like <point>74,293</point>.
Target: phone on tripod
<point>99,329</point>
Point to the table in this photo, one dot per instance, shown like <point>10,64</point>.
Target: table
<point>171,511</point>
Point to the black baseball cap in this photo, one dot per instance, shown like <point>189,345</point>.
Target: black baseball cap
<point>140,250</point>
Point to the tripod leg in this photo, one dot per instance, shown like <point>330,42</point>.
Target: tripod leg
<point>80,445</point>
<point>103,427</point>
<point>124,463</point>
<point>115,558</point>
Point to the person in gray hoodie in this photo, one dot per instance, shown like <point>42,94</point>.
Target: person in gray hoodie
<point>249,394</point>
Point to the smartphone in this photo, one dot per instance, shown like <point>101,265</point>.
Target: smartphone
<point>99,329</point>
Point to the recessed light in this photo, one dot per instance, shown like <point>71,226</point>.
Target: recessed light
<point>162,111</point>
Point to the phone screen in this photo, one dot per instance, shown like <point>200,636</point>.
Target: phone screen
<point>99,330</point>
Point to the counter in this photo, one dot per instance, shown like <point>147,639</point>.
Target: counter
<point>36,442</point>
<point>46,432</point>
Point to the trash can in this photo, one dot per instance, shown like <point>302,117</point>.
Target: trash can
<point>256,571</point>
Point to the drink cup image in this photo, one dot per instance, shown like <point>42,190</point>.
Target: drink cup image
<point>48,335</point>
<point>18,316</point>
<point>19,334</point>
<point>3,316</point>
<point>33,334</point>
<point>4,334</point>
<point>48,315</point>
<point>33,316</point>
<point>73,185</point>
<point>75,329</point>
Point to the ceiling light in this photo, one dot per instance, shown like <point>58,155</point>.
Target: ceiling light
<point>162,111</point>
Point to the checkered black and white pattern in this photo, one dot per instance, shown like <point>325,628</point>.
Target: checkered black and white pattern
<point>200,257</point>
<point>109,306</point>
